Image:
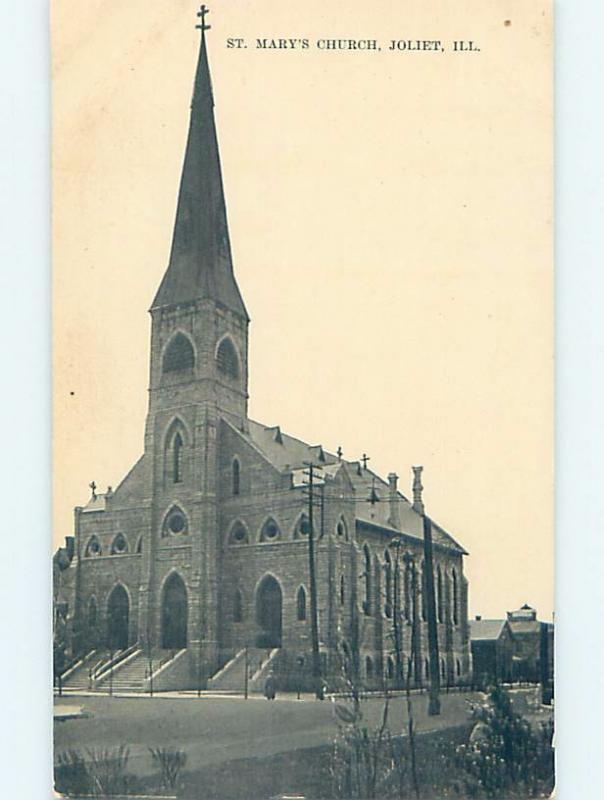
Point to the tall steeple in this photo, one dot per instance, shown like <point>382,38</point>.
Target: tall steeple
<point>200,264</point>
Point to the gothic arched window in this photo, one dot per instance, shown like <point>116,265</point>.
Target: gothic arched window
<point>342,590</point>
<point>440,595</point>
<point>239,534</point>
<point>119,545</point>
<point>237,606</point>
<point>424,593</point>
<point>388,584</point>
<point>179,354</point>
<point>341,529</point>
<point>226,359</point>
<point>368,667</point>
<point>407,592</point>
<point>177,445</point>
<point>367,580</point>
<point>175,523</point>
<point>92,614</point>
<point>301,604</point>
<point>270,531</point>
<point>139,545</point>
<point>455,597</point>
<point>236,476</point>
<point>93,548</point>
<point>302,527</point>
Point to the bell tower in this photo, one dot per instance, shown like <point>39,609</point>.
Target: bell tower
<point>199,321</point>
<point>198,373</point>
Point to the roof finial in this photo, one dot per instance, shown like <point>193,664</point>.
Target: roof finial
<point>203,10</point>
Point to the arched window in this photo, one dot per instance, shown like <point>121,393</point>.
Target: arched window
<point>410,667</point>
<point>236,476</point>
<point>177,445</point>
<point>341,529</point>
<point>227,360</point>
<point>427,668</point>
<point>179,354</point>
<point>458,667</point>
<point>455,597</point>
<point>302,527</point>
<point>175,523</point>
<point>440,595</point>
<point>367,580</point>
<point>407,592</point>
<point>368,667</point>
<point>239,534</point>
<point>301,604</point>
<point>119,545</point>
<point>388,584</point>
<point>390,668</point>
<point>92,614</point>
<point>93,548</point>
<point>342,590</point>
<point>237,606</point>
<point>424,593</point>
<point>443,669</point>
<point>270,531</point>
<point>139,545</point>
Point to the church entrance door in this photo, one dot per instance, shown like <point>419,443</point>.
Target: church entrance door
<point>174,614</point>
<point>269,603</point>
<point>118,617</point>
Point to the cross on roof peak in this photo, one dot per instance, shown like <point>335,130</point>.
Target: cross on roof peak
<point>203,10</point>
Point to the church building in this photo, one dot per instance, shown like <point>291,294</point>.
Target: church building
<point>194,571</point>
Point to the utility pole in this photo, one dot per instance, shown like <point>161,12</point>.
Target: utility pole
<point>415,625</point>
<point>434,702</point>
<point>314,621</point>
<point>245,685</point>
<point>396,615</point>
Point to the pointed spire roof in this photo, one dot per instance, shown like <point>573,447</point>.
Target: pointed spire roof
<point>200,260</point>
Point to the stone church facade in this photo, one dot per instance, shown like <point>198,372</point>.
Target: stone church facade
<point>203,547</point>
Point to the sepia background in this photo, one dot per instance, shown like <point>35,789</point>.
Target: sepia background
<point>390,220</point>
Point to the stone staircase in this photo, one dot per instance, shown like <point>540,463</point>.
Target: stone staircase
<point>132,675</point>
<point>231,677</point>
<point>78,677</point>
<point>126,676</point>
<point>258,678</point>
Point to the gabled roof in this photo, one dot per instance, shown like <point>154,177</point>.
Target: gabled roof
<point>286,452</point>
<point>200,259</point>
<point>486,629</point>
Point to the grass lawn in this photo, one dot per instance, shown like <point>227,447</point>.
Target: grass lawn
<point>218,730</point>
<point>238,749</point>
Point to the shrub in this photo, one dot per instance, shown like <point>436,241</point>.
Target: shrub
<point>504,756</point>
<point>170,762</point>
<point>101,773</point>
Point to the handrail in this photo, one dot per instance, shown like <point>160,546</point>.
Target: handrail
<point>118,657</point>
<point>75,663</point>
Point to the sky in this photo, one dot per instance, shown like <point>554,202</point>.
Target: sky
<point>390,216</point>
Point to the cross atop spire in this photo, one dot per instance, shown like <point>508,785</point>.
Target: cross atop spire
<point>203,10</point>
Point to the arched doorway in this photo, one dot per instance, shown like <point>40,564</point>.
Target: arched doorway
<point>174,614</point>
<point>118,617</point>
<point>269,603</point>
